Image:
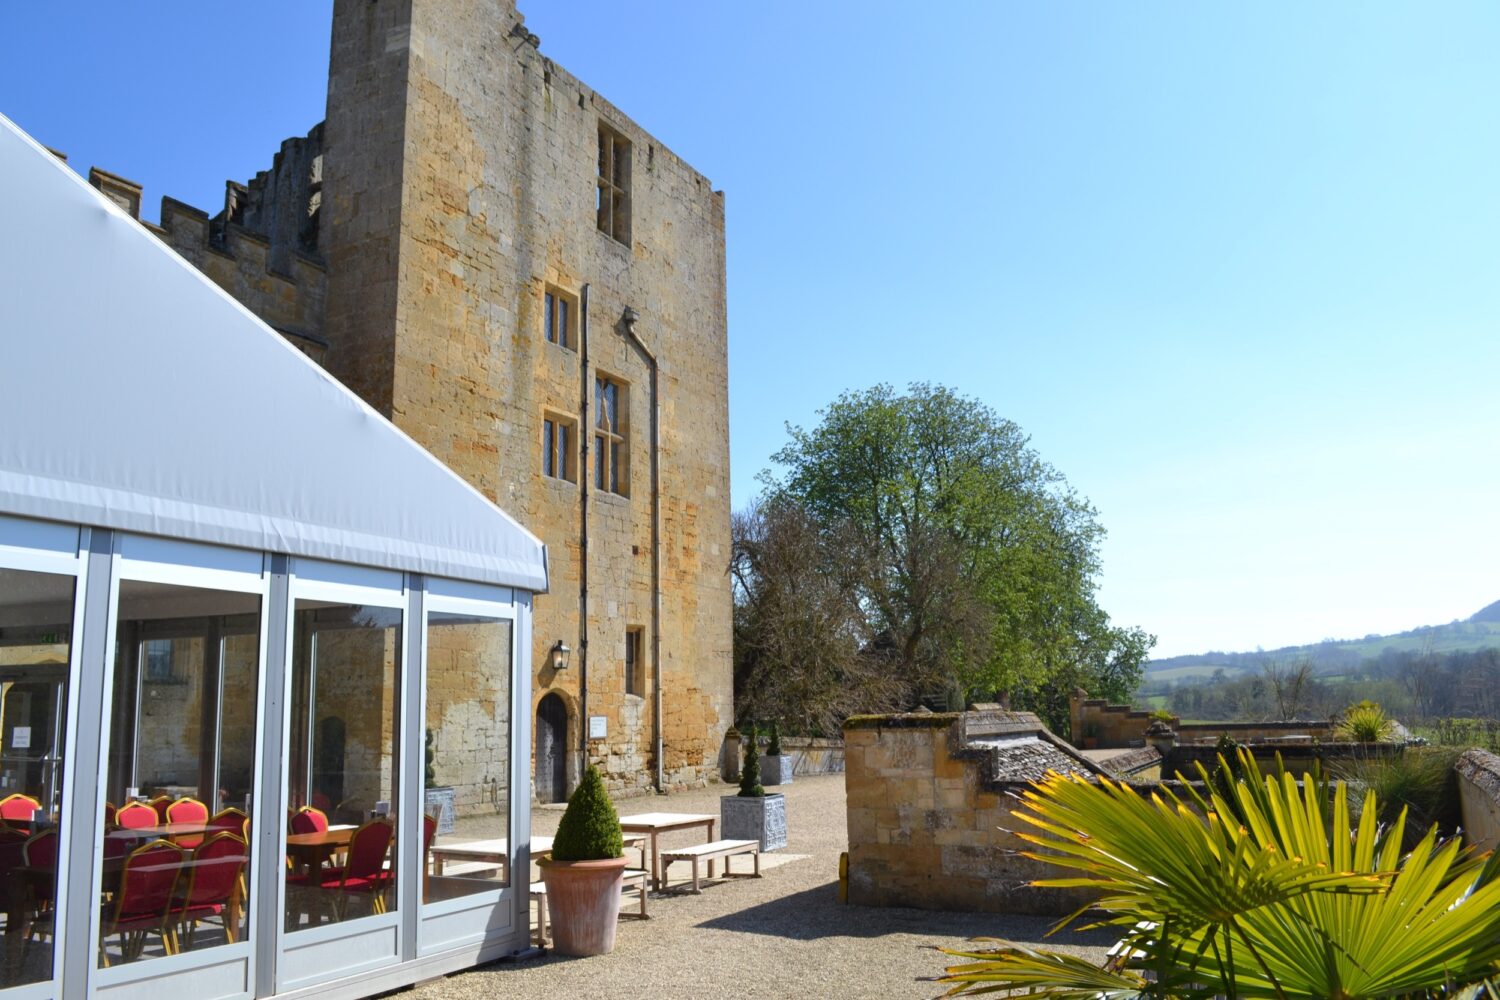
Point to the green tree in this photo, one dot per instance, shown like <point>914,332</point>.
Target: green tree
<point>974,561</point>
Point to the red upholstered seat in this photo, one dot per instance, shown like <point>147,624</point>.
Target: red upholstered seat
<point>187,810</point>
<point>144,901</point>
<point>365,871</point>
<point>137,816</point>
<point>309,819</point>
<point>18,808</point>
<point>212,880</point>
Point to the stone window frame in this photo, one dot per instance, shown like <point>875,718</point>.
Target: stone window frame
<point>635,675</point>
<point>612,184</point>
<point>564,450</point>
<point>611,460</point>
<point>560,316</point>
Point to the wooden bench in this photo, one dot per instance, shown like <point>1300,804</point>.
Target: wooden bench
<point>711,852</point>
<point>637,878</point>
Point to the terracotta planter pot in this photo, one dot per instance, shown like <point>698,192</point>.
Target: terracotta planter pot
<point>583,901</point>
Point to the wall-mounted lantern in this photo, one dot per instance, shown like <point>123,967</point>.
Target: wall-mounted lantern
<point>559,655</point>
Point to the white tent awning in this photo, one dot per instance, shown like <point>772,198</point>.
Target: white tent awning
<point>135,394</point>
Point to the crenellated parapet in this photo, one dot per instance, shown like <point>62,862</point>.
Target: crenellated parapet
<point>289,298</point>
<point>262,247</point>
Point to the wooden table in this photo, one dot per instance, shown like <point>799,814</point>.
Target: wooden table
<point>167,831</point>
<point>310,850</point>
<point>654,825</point>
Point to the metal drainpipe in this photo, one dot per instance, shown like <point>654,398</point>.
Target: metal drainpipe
<point>628,320</point>
<point>584,437</point>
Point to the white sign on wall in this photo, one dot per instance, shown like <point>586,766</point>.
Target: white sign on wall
<point>20,738</point>
<point>597,729</point>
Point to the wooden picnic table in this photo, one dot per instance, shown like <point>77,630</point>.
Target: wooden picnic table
<point>654,825</point>
<point>495,850</point>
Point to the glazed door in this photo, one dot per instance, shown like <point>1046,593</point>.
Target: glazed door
<point>474,874</point>
<point>551,750</point>
<point>40,611</point>
<point>341,891</point>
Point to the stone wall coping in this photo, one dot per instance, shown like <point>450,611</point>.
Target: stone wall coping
<point>1482,768</point>
<point>810,742</point>
<point>1292,726</point>
<point>1135,760</point>
<point>905,720</point>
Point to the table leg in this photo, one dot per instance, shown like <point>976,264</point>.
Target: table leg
<point>711,860</point>
<point>655,864</point>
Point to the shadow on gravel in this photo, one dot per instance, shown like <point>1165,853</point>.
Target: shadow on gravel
<point>817,913</point>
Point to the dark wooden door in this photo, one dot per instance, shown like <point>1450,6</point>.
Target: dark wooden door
<point>551,750</point>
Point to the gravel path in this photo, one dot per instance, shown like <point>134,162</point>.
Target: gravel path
<point>783,935</point>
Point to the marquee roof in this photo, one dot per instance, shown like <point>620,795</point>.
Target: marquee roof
<point>136,394</point>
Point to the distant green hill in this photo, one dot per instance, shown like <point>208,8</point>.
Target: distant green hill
<point>1479,631</point>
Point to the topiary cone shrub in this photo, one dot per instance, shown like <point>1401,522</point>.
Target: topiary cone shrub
<point>750,787</point>
<point>773,749</point>
<point>590,828</point>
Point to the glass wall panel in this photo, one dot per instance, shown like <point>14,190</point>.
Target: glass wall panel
<point>342,762</point>
<point>36,630</point>
<point>468,754</point>
<point>176,861</point>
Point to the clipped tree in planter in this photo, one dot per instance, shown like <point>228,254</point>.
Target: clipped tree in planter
<point>776,767</point>
<point>586,872</point>
<point>753,814</point>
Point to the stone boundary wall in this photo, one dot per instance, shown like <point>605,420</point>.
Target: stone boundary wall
<point>813,756</point>
<point>927,830</point>
<point>1479,797</point>
<point>1111,726</point>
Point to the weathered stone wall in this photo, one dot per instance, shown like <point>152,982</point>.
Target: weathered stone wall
<point>460,182</point>
<point>468,712</point>
<point>1095,722</point>
<point>171,723</point>
<point>1479,797</point>
<point>406,244</point>
<point>927,830</point>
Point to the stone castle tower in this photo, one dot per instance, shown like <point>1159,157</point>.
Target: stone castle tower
<point>533,288</point>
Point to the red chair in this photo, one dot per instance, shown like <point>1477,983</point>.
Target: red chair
<point>137,816</point>
<point>143,904</point>
<point>309,819</point>
<point>110,811</point>
<point>40,852</point>
<point>186,810</point>
<point>212,886</point>
<point>18,809</point>
<point>365,872</point>
<point>12,852</point>
<point>230,820</point>
<point>160,804</point>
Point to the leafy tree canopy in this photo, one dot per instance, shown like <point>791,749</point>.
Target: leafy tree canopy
<point>969,561</point>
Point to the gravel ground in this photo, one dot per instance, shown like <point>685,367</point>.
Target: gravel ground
<point>783,935</point>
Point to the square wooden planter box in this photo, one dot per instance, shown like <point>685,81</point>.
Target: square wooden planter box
<point>762,819</point>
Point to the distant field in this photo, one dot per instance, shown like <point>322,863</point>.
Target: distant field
<point>1202,671</point>
<point>1464,636</point>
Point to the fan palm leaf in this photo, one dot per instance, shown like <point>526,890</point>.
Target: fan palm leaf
<point>1265,887</point>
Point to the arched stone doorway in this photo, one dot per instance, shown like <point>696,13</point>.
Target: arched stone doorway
<point>551,749</point>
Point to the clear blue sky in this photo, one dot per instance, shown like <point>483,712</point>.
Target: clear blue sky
<point>1234,267</point>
